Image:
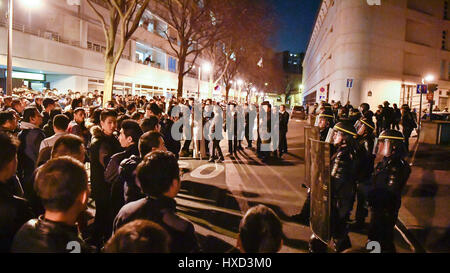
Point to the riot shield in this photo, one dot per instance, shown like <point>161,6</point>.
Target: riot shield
<point>320,175</point>
<point>311,132</point>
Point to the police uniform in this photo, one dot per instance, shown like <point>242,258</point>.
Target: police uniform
<point>343,170</point>
<point>326,114</point>
<point>365,128</point>
<point>388,181</point>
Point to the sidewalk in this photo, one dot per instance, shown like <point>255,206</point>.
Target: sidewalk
<point>426,198</point>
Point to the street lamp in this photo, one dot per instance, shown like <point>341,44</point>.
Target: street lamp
<point>208,68</point>
<point>427,78</point>
<point>10,15</point>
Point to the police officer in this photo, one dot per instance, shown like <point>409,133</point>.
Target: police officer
<point>408,123</point>
<point>388,182</point>
<point>365,130</point>
<point>326,121</point>
<point>343,170</point>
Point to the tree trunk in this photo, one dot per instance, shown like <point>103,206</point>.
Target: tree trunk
<point>110,71</point>
<point>227,90</point>
<point>181,63</point>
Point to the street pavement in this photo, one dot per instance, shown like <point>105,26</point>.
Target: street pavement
<point>426,201</point>
<point>216,196</point>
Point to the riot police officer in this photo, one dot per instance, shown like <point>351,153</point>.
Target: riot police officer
<point>365,130</point>
<point>325,122</point>
<point>343,170</point>
<point>388,181</point>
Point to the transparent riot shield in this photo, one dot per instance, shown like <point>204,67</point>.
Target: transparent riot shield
<point>320,175</point>
<point>310,133</point>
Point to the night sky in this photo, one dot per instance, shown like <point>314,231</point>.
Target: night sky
<point>294,20</point>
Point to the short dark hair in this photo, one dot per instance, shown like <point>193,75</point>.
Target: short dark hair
<point>59,182</point>
<point>6,116</point>
<point>156,173</point>
<point>154,108</point>
<point>108,113</point>
<point>131,106</point>
<point>132,129</point>
<point>61,122</point>
<point>148,141</point>
<point>149,124</point>
<point>260,230</point>
<point>29,112</point>
<point>47,101</point>
<point>15,102</point>
<point>67,145</point>
<point>139,236</point>
<point>9,144</point>
<point>136,116</point>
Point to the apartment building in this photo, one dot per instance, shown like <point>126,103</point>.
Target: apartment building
<point>60,44</point>
<point>385,49</point>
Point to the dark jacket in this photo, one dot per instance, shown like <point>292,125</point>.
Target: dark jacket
<point>163,212</point>
<point>102,148</point>
<point>171,144</point>
<point>408,122</point>
<point>388,181</point>
<point>79,130</point>
<point>30,141</point>
<point>113,179</point>
<point>14,212</point>
<point>127,176</point>
<point>284,120</point>
<point>365,158</point>
<point>45,236</point>
<point>343,169</point>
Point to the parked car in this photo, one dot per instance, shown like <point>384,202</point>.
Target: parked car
<point>298,112</point>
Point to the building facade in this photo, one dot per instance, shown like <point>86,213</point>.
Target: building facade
<point>60,45</point>
<point>382,51</point>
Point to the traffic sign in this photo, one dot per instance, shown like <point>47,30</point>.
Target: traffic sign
<point>422,88</point>
<point>322,89</point>
<point>349,83</point>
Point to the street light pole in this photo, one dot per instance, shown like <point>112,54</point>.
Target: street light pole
<point>10,40</point>
<point>199,78</point>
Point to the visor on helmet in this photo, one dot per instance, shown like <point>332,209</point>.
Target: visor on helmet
<point>330,135</point>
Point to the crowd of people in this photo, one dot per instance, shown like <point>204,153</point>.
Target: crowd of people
<point>356,140</point>
<point>62,150</point>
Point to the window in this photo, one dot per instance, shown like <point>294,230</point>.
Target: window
<point>444,40</point>
<point>446,10</point>
<point>172,64</point>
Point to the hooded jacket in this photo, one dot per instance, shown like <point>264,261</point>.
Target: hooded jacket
<point>102,148</point>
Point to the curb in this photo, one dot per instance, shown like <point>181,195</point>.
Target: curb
<point>415,245</point>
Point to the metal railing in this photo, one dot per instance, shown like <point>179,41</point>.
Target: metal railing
<point>54,36</point>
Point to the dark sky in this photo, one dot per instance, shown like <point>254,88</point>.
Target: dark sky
<point>294,21</point>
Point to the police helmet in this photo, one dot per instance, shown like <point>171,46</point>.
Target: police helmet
<point>364,125</point>
<point>391,141</point>
<point>346,128</point>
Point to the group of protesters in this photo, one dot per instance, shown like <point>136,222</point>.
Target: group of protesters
<point>63,151</point>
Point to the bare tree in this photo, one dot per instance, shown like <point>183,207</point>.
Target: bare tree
<point>198,27</point>
<point>242,44</point>
<point>121,22</point>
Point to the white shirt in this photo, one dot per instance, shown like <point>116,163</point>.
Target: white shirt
<point>50,141</point>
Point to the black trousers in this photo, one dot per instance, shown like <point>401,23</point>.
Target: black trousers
<point>407,134</point>
<point>186,145</point>
<point>247,137</point>
<point>214,146</point>
<point>232,145</point>
<point>382,226</point>
<point>283,143</point>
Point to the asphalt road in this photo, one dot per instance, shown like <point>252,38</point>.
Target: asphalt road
<point>216,196</point>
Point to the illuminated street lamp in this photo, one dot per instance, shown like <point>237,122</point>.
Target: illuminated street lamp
<point>207,67</point>
<point>10,15</point>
